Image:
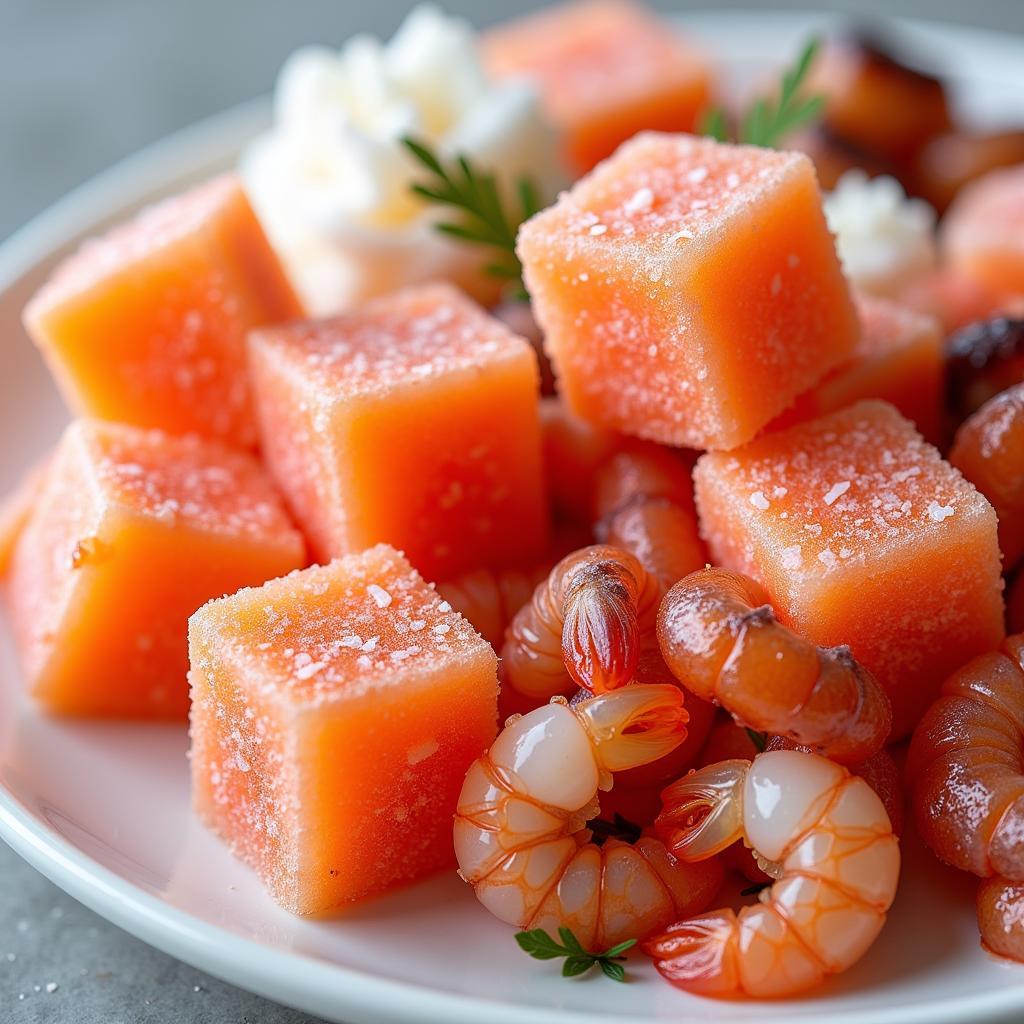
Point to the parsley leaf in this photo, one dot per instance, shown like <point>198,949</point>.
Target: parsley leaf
<point>541,946</point>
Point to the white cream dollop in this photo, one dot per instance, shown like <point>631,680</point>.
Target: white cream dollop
<point>885,240</point>
<point>330,180</point>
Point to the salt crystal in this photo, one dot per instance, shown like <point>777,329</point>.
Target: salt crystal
<point>827,558</point>
<point>444,606</point>
<point>310,670</point>
<point>51,987</point>
<point>370,644</point>
<point>836,491</point>
<point>780,492</point>
<point>441,628</point>
<point>417,624</point>
<point>791,557</point>
<point>351,641</point>
<point>697,175</point>
<point>939,512</point>
<point>732,180</point>
<point>380,596</point>
<point>759,501</point>
<point>639,202</point>
<point>598,229</point>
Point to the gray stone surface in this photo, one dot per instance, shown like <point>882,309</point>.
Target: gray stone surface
<point>83,83</point>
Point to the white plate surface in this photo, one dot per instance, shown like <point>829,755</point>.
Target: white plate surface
<point>103,810</point>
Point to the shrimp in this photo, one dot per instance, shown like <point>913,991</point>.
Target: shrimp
<point>1001,916</point>
<point>583,625</point>
<point>879,771</point>
<point>965,766</point>
<point>821,833</point>
<point>720,638</point>
<point>644,505</point>
<point>521,836</point>
<point>966,770</point>
<point>989,451</point>
<point>490,598</point>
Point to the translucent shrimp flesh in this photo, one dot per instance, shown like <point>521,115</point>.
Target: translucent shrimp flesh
<point>720,638</point>
<point>521,835</point>
<point>824,837</point>
<point>989,451</point>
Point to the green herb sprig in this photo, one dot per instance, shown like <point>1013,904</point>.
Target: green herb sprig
<point>770,120</point>
<point>759,739</point>
<point>538,944</point>
<point>484,217</point>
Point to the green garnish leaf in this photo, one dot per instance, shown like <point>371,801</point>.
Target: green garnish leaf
<point>485,218</point>
<point>759,739</point>
<point>541,946</point>
<point>613,970</point>
<point>769,121</point>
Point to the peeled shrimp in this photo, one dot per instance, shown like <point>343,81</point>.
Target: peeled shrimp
<point>583,625</point>
<point>821,833</point>
<point>644,505</point>
<point>520,828</point>
<point>989,451</point>
<point>720,638</point>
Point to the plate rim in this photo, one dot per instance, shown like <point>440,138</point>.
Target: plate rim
<point>283,976</point>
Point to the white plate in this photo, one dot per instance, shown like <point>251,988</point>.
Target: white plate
<point>103,810</point>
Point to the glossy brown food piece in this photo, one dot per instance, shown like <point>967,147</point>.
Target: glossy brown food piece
<point>876,102</point>
<point>965,767</point>
<point>989,451</point>
<point>983,359</point>
<point>720,638</point>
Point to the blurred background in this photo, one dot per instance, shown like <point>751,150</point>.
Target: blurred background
<point>85,82</point>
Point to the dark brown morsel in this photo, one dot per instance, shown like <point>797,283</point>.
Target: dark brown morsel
<point>982,360</point>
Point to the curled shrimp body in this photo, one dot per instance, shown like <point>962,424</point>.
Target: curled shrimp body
<point>490,598</point>
<point>644,505</point>
<point>965,766</point>
<point>989,451</point>
<point>582,626</point>
<point>821,833</point>
<point>720,638</point>
<point>520,828</point>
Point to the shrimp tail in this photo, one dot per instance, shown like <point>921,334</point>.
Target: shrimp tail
<point>600,633</point>
<point>700,954</point>
<point>703,812</point>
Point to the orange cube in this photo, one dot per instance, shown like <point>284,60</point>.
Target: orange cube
<point>410,421</point>
<point>983,232</point>
<point>605,69</point>
<point>898,358</point>
<point>689,290</point>
<point>862,535</point>
<point>335,713</point>
<point>131,532</point>
<point>147,324</point>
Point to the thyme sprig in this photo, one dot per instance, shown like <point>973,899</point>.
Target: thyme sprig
<point>770,120</point>
<point>541,946</point>
<point>484,216</point>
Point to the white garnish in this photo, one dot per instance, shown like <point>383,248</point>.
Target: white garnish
<point>330,180</point>
<point>884,239</point>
